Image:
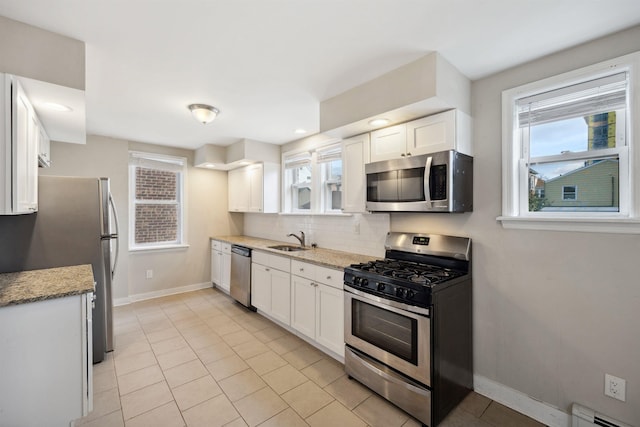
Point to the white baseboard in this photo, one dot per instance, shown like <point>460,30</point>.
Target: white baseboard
<point>518,401</point>
<point>161,293</point>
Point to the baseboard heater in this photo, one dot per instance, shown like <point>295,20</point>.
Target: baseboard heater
<point>585,417</point>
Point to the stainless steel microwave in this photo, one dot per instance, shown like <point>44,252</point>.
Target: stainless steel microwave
<point>436,182</point>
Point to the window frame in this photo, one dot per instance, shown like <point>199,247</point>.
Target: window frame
<point>515,213</point>
<point>156,161</point>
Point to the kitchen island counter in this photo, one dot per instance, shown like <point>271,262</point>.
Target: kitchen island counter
<point>320,256</point>
<point>39,285</point>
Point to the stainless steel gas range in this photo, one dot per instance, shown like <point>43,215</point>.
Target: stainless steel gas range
<point>408,323</point>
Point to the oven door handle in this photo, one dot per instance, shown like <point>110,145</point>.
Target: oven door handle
<point>387,302</point>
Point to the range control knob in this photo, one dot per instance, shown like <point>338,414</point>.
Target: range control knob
<point>381,286</point>
<point>356,281</point>
<point>364,283</point>
<point>401,292</point>
<point>410,294</point>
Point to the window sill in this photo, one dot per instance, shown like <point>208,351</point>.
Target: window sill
<point>162,248</point>
<point>589,225</point>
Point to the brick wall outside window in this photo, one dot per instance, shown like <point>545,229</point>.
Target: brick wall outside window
<point>156,222</point>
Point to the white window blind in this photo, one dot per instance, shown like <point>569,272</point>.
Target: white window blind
<point>329,153</point>
<point>591,97</point>
<point>297,160</point>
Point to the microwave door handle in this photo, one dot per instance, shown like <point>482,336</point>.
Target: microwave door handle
<point>427,179</point>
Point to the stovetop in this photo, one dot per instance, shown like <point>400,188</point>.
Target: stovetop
<point>415,266</point>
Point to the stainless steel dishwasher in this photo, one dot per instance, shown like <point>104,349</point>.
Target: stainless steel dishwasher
<point>240,289</point>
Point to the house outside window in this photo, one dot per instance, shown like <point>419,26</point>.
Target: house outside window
<point>569,133</point>
<point>156,192</point>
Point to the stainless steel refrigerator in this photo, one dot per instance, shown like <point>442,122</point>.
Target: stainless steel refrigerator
<point>76,223</point>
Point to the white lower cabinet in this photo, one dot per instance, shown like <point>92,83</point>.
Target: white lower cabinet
<point>303,306</point>
<point>221,264</point>
<point>270,285</point>
<point>330,317</point>
<point>317,304</point>
<point>46,375</point>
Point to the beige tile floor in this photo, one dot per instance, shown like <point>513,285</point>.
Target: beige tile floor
<point>200,359</point>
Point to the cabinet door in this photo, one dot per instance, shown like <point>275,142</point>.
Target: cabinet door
<point>225,275</point>
<point>355,153</point>
<point>239,190</point>
<point>216,267</point>
<point>256,188</point>
<point>303,306</point>
<point>389,143</point>
<point>261,287</point>
<point>281,296</point>
<point>330,321</point>
<point>25,160</point>
<point>432,134</point>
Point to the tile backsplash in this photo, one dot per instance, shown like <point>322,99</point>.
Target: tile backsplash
<point>357,233</point>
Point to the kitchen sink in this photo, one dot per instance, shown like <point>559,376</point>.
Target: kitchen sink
<point>288,248</point>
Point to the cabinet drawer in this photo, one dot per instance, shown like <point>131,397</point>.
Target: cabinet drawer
<point>329,276</point>
<point>303,269</point>
<point>216,244</point>
<point>226,247</point>
<point>273,261</point>
<point>280,263</point>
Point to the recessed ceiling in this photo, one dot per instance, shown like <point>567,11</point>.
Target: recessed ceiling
<point>267,65</point>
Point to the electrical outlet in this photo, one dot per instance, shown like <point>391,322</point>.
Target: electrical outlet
<point>149,274</point>
<point>615,387</point>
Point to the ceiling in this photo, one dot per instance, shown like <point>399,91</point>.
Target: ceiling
<point>267,64</point>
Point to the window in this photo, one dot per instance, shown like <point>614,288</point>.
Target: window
<point>297,170</point>
<point>156,193</point>
<point>329,160</point>
<point>313,180</point>
<point>569,133</point>
<point>569,192</point>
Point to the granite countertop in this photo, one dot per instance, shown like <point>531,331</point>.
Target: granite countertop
<point>325,257</point>
<point>38,285</point>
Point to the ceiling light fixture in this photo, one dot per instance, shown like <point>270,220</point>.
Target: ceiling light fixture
<point>379,122</point>
<point>300,131</point>
<point>204,113</point>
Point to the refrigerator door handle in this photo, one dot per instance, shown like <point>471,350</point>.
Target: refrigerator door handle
<point>112,204</point>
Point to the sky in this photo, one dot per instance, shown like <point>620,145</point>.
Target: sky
<point>555,137</point>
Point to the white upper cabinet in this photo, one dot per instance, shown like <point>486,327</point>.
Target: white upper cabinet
<point>450,130</point>
<point>44,148</point>
<point>355,153</point>
<point>389,143</point>
<point>254,188</point>
<point>19,135</point>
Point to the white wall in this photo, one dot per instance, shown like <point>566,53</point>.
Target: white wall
<point>363,234</point>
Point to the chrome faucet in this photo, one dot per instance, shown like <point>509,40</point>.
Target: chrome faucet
<point>300,239</point>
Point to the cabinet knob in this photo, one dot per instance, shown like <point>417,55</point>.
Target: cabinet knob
<point>328,277</point>
<point>267,269</point>
<point>402,155</point>
<point>408,154</point>
<point>302,269</point>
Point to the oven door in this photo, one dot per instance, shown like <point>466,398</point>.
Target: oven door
<point>396,334</point>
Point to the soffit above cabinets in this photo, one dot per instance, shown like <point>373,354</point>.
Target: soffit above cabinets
<point>63,126</point>
<point>241,153</point>
<point>426,86</point>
